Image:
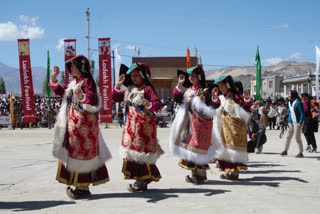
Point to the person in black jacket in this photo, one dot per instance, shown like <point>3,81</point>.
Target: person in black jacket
<point>310,124</point>
<point>256,132</point>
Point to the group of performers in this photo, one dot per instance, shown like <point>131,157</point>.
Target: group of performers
<point>210,124</point>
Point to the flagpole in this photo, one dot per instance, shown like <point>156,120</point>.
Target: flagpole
<point>113,69</point>
<point>88,20</point>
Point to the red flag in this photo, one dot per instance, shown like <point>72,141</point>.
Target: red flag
<point>105,79</point>
<point>188,58</point>
<point>26,81</point>
<point>69,52</point>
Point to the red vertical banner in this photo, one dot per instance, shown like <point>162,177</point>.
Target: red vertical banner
<point>26,81</point>
<point>105,79</point>
<point>69,52</point>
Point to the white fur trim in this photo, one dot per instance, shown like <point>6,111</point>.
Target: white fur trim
<point>179,124</point>
<point>54,83</point>
<point>199,106</point>
<point>84,166</point>
<point>196,158</point>
<point>136,97</point>
<point>104,152</point>
<point>60,129</point>
<point>234,109</point>
<point>122,88</point>
<point>91,108</point>
<point>141,157</point>
<point>178,89</point>
<point>150,106</point>
<point>223,153</point>
<point>253,109</point>
<point>84,98</point>
<point>214,100</point>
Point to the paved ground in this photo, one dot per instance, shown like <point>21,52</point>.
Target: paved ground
<point>273,184</point>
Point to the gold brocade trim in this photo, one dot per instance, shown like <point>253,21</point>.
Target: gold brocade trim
<point>244,149</point>
<point>101,181</point>
<point>190,168</point>
<point>192,149</point>
<point>238,168</point>
<point>128,174</point>
<point>73,179</point>
<point>234,133</point>
<point>58,177</point>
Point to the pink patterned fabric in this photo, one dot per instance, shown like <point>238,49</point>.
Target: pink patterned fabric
<point>201,130</point>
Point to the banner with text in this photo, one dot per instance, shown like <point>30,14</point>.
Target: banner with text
<point>69,52</point>
<point>26,81</point>
<point>105,79</point>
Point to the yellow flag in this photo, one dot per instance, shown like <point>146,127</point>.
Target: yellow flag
<point>188,58</point>
<point>11,107</point>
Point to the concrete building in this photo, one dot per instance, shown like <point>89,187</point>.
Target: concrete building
<point>271,86</point>
<point>164,72</point>
<point>301,83</point>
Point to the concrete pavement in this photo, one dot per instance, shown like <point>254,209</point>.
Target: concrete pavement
<point>272,184</point>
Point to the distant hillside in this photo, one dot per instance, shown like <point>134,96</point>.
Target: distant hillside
<point>248,73</point>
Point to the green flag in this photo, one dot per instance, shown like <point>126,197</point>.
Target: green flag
<point>258,75</point>
<point>48,79</point>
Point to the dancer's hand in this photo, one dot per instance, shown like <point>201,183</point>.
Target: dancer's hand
<point>120,81</point>
<point>181,80</point>
<point>256,104</point>
<point>146,103</point>
<point>79,93</point>
<point>215,93</point>
<point>55,73</point>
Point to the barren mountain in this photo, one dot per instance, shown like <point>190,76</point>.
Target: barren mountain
<point>248,73</point>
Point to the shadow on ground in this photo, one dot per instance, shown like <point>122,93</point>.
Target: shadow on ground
<point>32,205</point>
<point>155,195</point>
<point>269,171</point>
<point>242,182</point>
<point>264,165</point>
<point>257,178</point>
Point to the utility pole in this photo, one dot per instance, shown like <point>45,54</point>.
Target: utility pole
<point>113,69</point>
<point>88,20</point>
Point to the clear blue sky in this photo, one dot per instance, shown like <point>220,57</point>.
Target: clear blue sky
<point>224,32</point>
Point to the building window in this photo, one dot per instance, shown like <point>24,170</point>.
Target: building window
<point>305,88</point>
<point>287,89</point>
<point>270,84</point>
<point>162,93</point>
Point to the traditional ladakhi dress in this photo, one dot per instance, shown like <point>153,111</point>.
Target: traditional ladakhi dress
<point>77,140</point>
<point>264,115</point>
<point>139,149</point>
<point>230,125</point>
<point>191,136</point>
<point>247,103</point>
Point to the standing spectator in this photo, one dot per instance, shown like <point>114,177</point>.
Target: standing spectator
<point>272,116</point>
<point>310,125</point>
<point>283,111</point>
<point>120,117</point>
<point>50,117</point>
<point>264,114</point>
<point>295,120</point>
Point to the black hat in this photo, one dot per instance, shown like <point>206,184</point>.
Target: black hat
<point>123,70</point>
<point>239,86</point>
<point>83,65</point>
<point>212,86</point>
<point>200,72</point>
<point>81,62</point>
<point>187,82</point>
